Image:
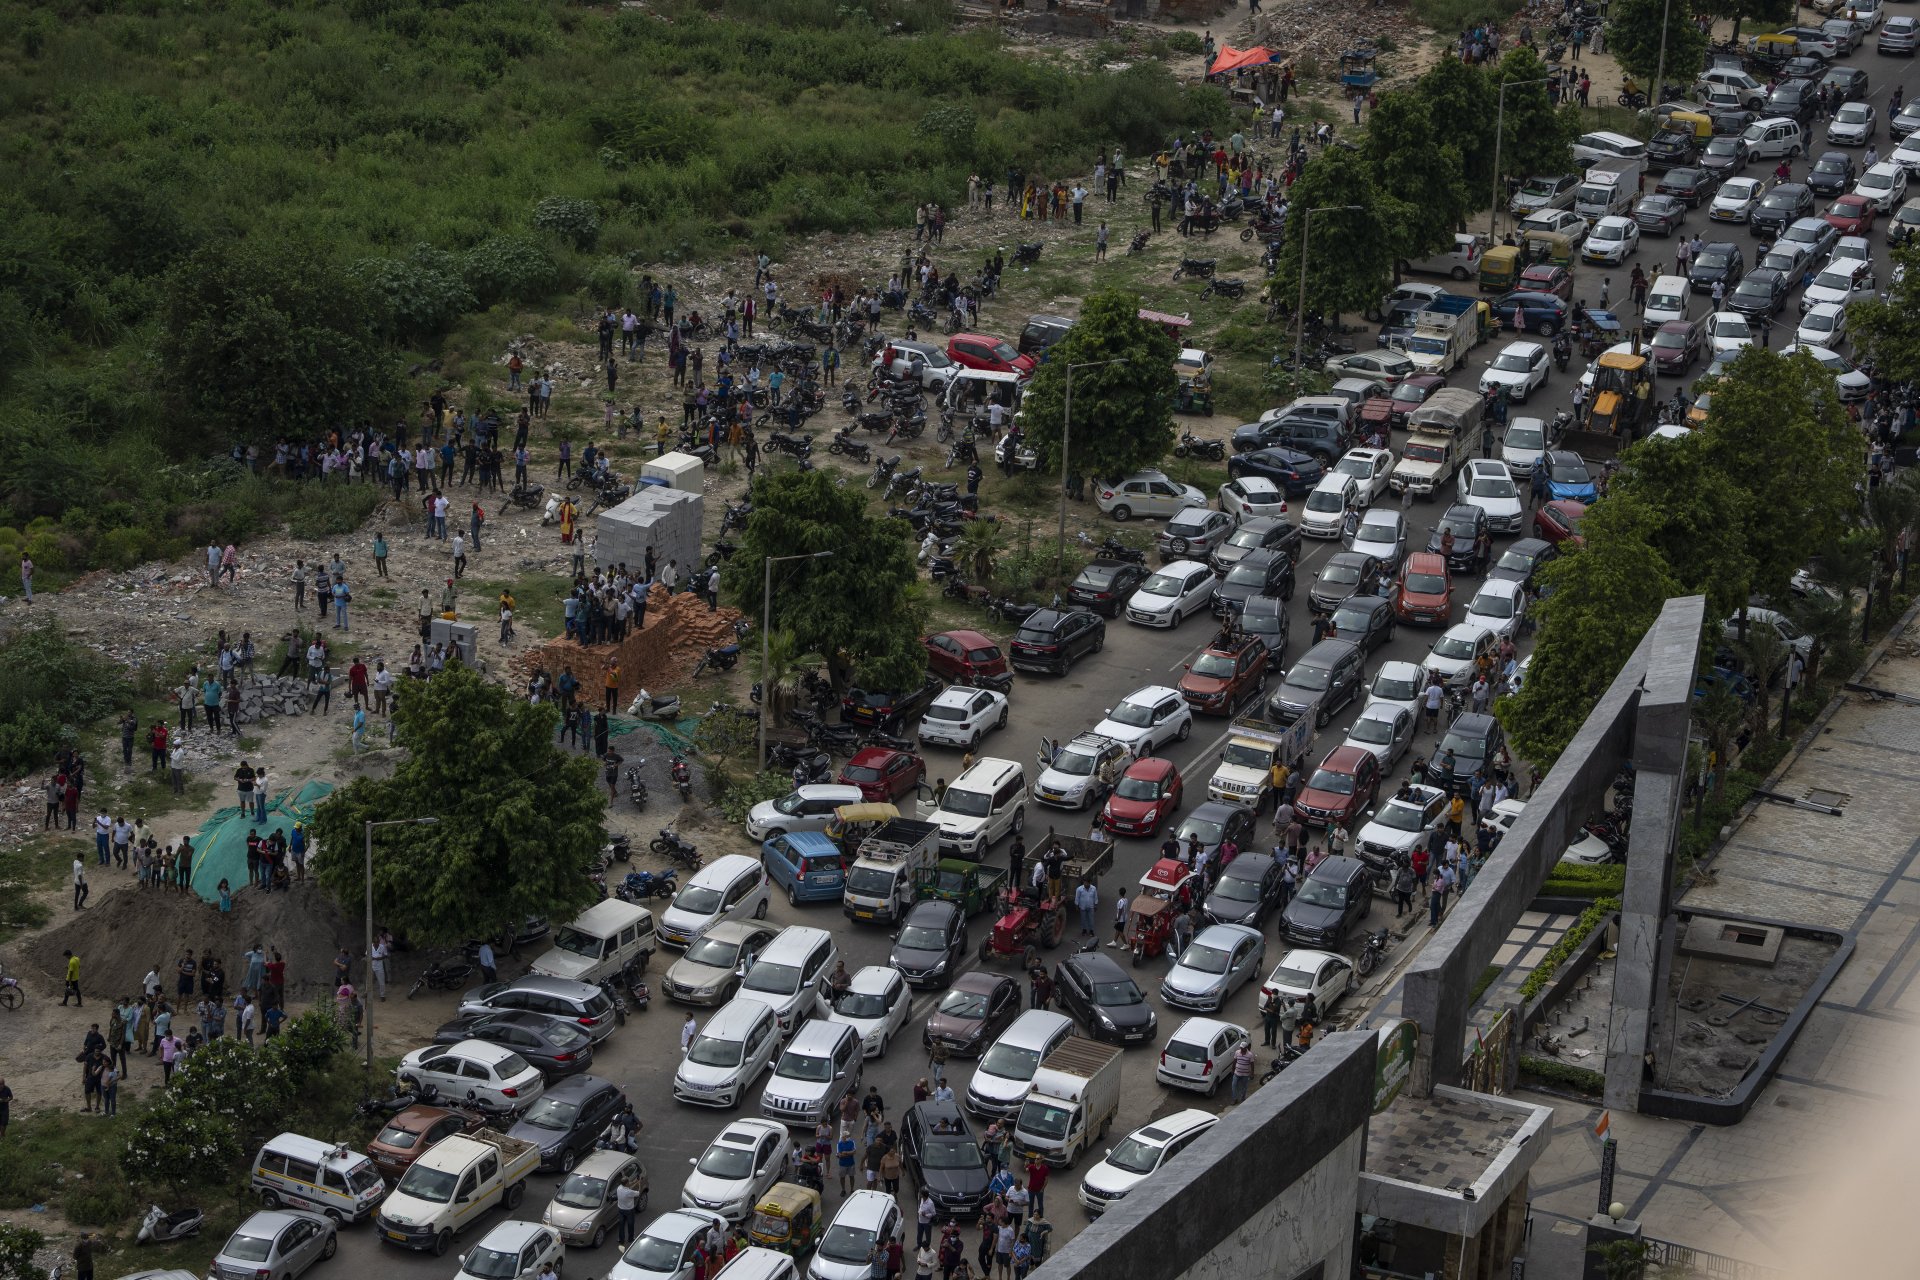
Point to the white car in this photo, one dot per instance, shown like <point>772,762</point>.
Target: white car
<point>1325,975</point>
<point>665,1247</point>
<point>1382,534</point>
<point>1885,185</point>
<point>1852,124</point>
<point>1736,200</point>
<point>1728,331</point>
<point>1369,469</point>
<point>1136,1157</point>
<point>875,1004</point>
<point>1402,820</point>
<point>1398,683</point>
<point>1839,283</point>
<point>1487,484</point>
<point>961,716</point>
<point>1753,94</point>
<point>1457,650</point>
<point>1560,222</point>
<point>1527,439</point>
<point>1866,13</point>
<point>1387,366</point>
<point>490,1076</point>
<point>738,1166</point>
<point>1612,239</point>
<point>1824,325</point>
<point>1179,590</point>
<point>1148,493</point>
<point>808,808</point>
<point>1199,1054</point>
<point>1205,975</point>
<point>732,1050</point>
<point>1849,381</point>
<point>1081,772</point>
<point>1520,369</point>
<point>1250,497</point>
<point>1498,606</point>
<point>1147,719</point>
<point>515,1249</point>
<point>1907,155</point>
<point>1384,728</point>
<point>865,1221</point>
<point>1324,515</point>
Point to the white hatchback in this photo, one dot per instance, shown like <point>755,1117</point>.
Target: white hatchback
<point>875,1004</point>
<point>1199,1054</point>
<point>1613,239</point>
<point>1728,331</point>
<point>1147,719</point>
<point>1455,652</point>
<point>1325,512</point>
<point>1824,325</point>
<point>1398,683</point>
<point>1179,590</point>
<point>1325,975</point>
<point>510,1249</point>
<point>1498,606</point>
<point>1736,199</point>
<point>1250,497</point>
<point>1369,469</point>
<point>961,716</point>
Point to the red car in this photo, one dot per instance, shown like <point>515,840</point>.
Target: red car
<point>1852,215</point>
<point>967,657</point>
<point>1559,521</point>
<point>984,351</point>
<point>1424,593</point>
<point>1544,277</point>
<point>1410,393</point>
<point>1148,795</point>
<point>1344,786</point>
<point>883,774</point>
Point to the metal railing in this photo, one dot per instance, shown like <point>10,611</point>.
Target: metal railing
<point>1697,1262</point>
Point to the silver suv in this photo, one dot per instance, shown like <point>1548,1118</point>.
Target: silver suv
<point>1193,533</point>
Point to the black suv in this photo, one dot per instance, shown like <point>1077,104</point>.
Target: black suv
<point>1719,261</point>
<point>1345,575</point>
<point>1329,903</point>
<point>883,710</point>
<point>942,1155</point>
<point>1781,206</point>
<point>1691,184</point>
<point>568,1119</point>
<point>1671,147</point>
<point>1760,295</point>
<point>1104,585</point>
<point>1470,742</point>
<point>1322,439</point>
<point>1265,617</point>
<point>1472,538</point>
<point>1098,993</point>
<point>1259,573</point>
<point>1326,678</point>
<point>1051,639</point>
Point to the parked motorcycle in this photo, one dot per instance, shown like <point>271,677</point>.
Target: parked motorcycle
<point>1225,288</point>
<point>159,1226</point>
<point>441,977</point>
<point>883,473</point>
<point>1027,253</point>
<point>724,658</point>
<point>1202,267</point>
<point>844,443</point>
<point>672,844</point>
<point>683,779</point>
<point>637,785</point>
<point>651,884</point>
<point>619,1003</point>
<point>1190,444</point>
<point>525,495</point>
<point>734,515</point>
<point>391,1103</point>
<point>1371,953</point>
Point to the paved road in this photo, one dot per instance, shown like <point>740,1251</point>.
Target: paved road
<point>642,1056</point>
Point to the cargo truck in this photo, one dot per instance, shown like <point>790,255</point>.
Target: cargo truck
<point>1441,435</point>
<point>891,856</point>
<point>1254,747</point>
<point>1443,334</point>
<point>1074,1098</point>
<point>1611,186</point>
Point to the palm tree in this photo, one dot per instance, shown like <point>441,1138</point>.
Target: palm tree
<point>1828,621</point>
<point>981,545</point>
<point>1762,655</point>
<point>1721,716</point>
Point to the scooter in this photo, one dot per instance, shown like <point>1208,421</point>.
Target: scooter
<point>647,707</point>
<point>551,516</point>
<point>159,1226</point>
<point>683,779</point>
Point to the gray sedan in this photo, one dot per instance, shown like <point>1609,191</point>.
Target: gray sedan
<point>1213,966</point>
<point>275,1244</point>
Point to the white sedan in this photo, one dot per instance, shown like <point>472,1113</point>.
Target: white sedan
<point>510,1249</point>
<point>1147,719</point>
<point>1728,331</point>
<point>1824,325</point>
<point>1369,469</point>
<point>1498,606</point>
<point>961,716</point>
<point>1611,241</point>
<point>1250,497</point>
<point>1179,590</point>
<point>1521,368</point>
<point>1324,975</point>
<point>1736,200</point>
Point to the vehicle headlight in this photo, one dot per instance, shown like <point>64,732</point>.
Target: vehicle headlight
<point>1105,1021</point>
<point>938,965</point>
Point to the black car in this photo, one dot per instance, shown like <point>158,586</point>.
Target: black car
<point>1216,822</point>
<point>1724,156</point>
<point>1719,261</point>
<point>568,1119</point>
<point>1846,84</point>
<point>943,1157</point>
<point>888,710</point>
<point>1831,174</point>
<point>1051,639</point>
<point>1470,742</point>
<point>1322,439</point>
<point>1262,533</point>
<point>1104,585</point>
<point>1659,214</point>
<point>1347,574</point>
<point>1760,295</point>
<point>1690,183</point>
<point>1521,561</point>
<point>1266,618</point>
<point>1793,99</point>
<point>1781,206</point>
<point>1098,993</point>
<point>1671,147</point>
<point>557,1046</point>
<point>1247,891</point>
<point>931,945</point>
<point>1336,897</point>
<point>1293,471</point>
<point>1472,538</point>
<point>1364,620</point>
<point>1262,573</point>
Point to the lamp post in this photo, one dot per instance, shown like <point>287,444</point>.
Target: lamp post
<point>766,632</point>
<point>366,999</point>
<point>1660,69</point>
<point>1066,442</point>
<point>1300,307</point>
<point>1499,127</point>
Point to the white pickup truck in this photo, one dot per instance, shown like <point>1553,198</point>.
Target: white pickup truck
<point>451,1187</point>
<point>1245,772</point>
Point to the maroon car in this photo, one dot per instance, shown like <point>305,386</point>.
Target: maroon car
<point>1559,521</point>
<point>1545,277</point>
<point>1410,394</point>
<point>1341,789</point>
<point>883,775</point>
<point>1676,345</point>
<point>967,657</point>
<point>975,1010</point>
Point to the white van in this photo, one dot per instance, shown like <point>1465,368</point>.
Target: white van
<point>1774,137</point>
<point>790,974</point>
<point>1667,300</point>
<point>296,1172</point>
<point>983,804</point>
<point>821,1064</point>
<point>602,941</point>
<point>755,1263</point>
<point>728,888</point>
<point>728,1054</point>
<point>1462,262</point>
<point>1601,143</point>
<point>1004,1075</point>
<point>1325,512</point>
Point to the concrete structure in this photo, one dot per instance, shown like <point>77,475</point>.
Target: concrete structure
<point>462,638</point>
<point>668,520</point>
<point>681,471</point>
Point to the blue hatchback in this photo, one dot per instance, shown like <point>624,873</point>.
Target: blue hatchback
<point>1568,477</point>
<point>1294,472</point>
<point>807,865</point>
<point>1543,313</point>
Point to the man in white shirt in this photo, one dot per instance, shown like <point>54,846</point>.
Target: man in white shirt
<point>688,1030</point>
<point>379,957</point>
<point>626,1199</point>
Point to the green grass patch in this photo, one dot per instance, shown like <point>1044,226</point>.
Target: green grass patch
<point>1570,880</point>
<point>27,870</point>
<point>1552,1071</point>
<point>1488,976</point>
<point>1590,919</point>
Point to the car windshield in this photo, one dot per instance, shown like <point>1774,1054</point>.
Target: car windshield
<point>1411,393</point>
<point>1322,893</point>
<point>1396,689</point>
<point>1379,535</point>
<point>1485,486</point>
<point>1241,575</point>
<point>726,1162</point>
<point>1135,1156</point>
<point>1819,322</point>
<point>1426,584</point>
<point>491,1264</point>
<point>919,937</point>
<point>1465,746</point>
<point>861,1004</point>
<point>1344,572</point>
<point>1781,199</point>
<point>581,1191</point>
<point>1492,605</point>
<point>775,979</point>
<point>953,1153</point>
<point>1609,231</point>
<point>552,1113</point>
<point>248,1248</point>
<point>1205,958</point>
<point>1876,181</point>
<point>966,804</point>
<point>700,900</point>
<point>1116,995</point>
<point>1834,280</point>
<point>1340,784</point>
<point>711,1051</point>
<point>1804,234</point>
<point>1515,559</point>
<point>1512,362</point>
<point>1293,979</point>
<point>1459,648</point>
<point>423,1183</point>
<point>1010,1062</point>
<point>795,1065</point>
<point>1136,715</point>
<point>651,1253</point>
<point>1422,451</point>
<point>1830,164</point>
<point>1218,664</point>
<point>1134,787</point>
<point>1310,678</point>
<point>1678,341</point>
<point>1371,730</point>
<point>580,944</point>
<point>1852,113</point>
<point>1401,817</point>
<point>1569,473</point>
<point>1327,500</point>
<point>1721,147</point>
<point>1349,619</point>
<point>1526,437</point>
<point>1164,584</point>
<point>870,880</point>
<point>963,1004</point>
<point>1711,261</point>
<point>712,951</point>
<point>1074,763</point>
<point>1427,346</point>
<point>1004,353</point>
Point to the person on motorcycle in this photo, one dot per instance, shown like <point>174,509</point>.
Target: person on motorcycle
<point>1562,350</point>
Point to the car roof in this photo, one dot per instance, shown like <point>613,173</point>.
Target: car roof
<point>971,639</point>
<point>512,1234</point>
<point>1309,958</point>
<point>1254,482</point>
<point>1150,767</point>
<point>1378,711</point>
<point>1489,464</point>
<point>1478,722</point>
<point>872,979</point>
<point>1201,1029</point>
<point>584,1086</point>
<point>1096,967</point>
<point>1426,561</point>
<point>817,1035</point>
<point>1499,586</point>
<point>1339,868</point>
<point>979,980</point>
<point>479,1050</point>
<point>1177,567</point>
<point>1345,758</point>
<point>959,695</point>
<point>1151,693</point>
<point>747,1131</point>
<point>271,1222</point>
<point>932,1111</point>
<point>931,909</point>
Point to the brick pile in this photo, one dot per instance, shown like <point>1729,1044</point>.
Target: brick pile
<point>679,629</point>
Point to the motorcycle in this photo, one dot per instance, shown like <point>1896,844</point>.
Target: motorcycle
<point>1011,611</point>
<point>1371,953</point>
<point>734,515</point>
<point>858,450</point>
<point>1027,253</point>
<point>900,480</point>
<point>647,707</point>
<point>677,847</point>
<point>1287,1056</point>
<point>907,428</point>
<point>1114,549</point>
<point>639,996</point>
<point>724,658</point>
<point>525,495</point>
<point>618,848</point>
<point>1202,267</point>
<point>1139,243</point>
<point>641,885</point>
<point>1225,288</point>
<point>1190,444</point>
<point>883,473</point>
<point>780,442</point>
<point>393,1102</point>
<point>1562,351</point>
<point>683,779</point>
<point>441,977</point>
<point>637,785</point>
<point>159,1226</point>
<point>612,993</point>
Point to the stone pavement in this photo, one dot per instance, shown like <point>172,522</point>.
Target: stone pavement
<point>1733,1190</point>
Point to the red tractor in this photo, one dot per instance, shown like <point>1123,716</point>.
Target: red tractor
<point>1026,924</point>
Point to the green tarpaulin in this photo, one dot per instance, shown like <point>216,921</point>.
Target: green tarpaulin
<point>220,849</point>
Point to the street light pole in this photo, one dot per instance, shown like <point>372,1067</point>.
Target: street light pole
<point>366,997</point>
<point>1499,127</point>
<point>766,633</point>
<point>1066,444</point>
<point>1300,306</point>
<point>1660,70</point>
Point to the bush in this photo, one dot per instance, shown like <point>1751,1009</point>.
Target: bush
<point>417,295</point>
<point>738,796</point>
<point>307,1044</point>
<point>1589,920</point>
<point>575,221</point>
<point>47,684</point>
<point>1186,42</point>
<point>1574,881</point>
<point>503,268</point>
<point>331,510</point>
<point>1554,1071</point>
<point>178,1143</point>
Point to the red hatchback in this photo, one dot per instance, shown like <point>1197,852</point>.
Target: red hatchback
<point>1148,795</point>
<point>883,775</point>
<point>984,351</point>
<point>967,657</point>
<point>1344,786</point>
<point>1559,521</point>
<point>1544,277</point>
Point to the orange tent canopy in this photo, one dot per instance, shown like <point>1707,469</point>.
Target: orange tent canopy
<point>1232,59</point>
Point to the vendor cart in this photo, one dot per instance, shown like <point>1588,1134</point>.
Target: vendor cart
<point>1149,928</point>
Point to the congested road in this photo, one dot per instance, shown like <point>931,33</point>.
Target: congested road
<point>642,1057</point>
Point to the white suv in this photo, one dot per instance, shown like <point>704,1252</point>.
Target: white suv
<point>980,806</point>
<point>1147,719</point>
<point>485,1075</point>
<point>1139,1155</point>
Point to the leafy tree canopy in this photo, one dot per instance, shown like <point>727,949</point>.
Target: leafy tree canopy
<point>1699,518</point>
<point>1762,12</point>
<point>1634,39</point>
<point>1535,135</point>
<point>1420,169</point>
<point>1122,413</point>
<point>1350,259</point>
<point>519,819</point>
<point>1887,332</point>
<point>1461,99</point>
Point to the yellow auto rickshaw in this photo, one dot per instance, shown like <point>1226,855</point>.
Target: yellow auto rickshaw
<point>853,823</point>
<point>1700,125</point>
<point>1547,246</point>
<point>787,1218</point>
<point>1499,269</point>
<point>1774,49</point>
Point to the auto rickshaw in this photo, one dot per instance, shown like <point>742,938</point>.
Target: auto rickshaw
<point>1499,268</point>
<point>1547,246</point>
<point>1598,330</point>
<point>787,1218</point>
<point>1171,881</point>
<point>1772,50</point>
<point>852,823</point>
<point>1194,392</point>
<point>1149,928</point>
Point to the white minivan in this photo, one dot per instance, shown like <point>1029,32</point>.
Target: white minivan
<point>790,974</point>
<point>728,1054</point>
<point>1005,1075</point>
<point>1666,300</point>
<point>1601,143</point>
<point>732,887</point>
<point>866,1220</point>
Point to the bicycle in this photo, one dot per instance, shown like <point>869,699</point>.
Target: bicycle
<point>12,996</point>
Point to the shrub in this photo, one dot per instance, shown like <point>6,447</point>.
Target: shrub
<point>330,510</point>
<point>1186,42</point>
<point>416,295</point>
<point>308,1043</point>
<point>47,682</point>
<point>575,221</point>
<point>502,268</point>
<point>177,1142</point>
<point>1573,881</point>
<point>609,282</point>
<point>1589,920</point>
<point>1554,1071</point>
<point>739,796</point>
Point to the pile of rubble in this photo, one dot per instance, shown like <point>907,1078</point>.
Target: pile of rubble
<point>679,630</point>
<point>275,696</point>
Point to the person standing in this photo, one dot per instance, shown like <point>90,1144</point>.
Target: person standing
<point>1120,919</point>
<point>26,589</point>
<point>484,958</point>
<point>1242,1071</point>
<point>626,1199</point>
<point>80,889</point>
<point>381,950</point>
<point>72,989</point>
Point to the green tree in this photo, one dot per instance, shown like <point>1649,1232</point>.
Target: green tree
<point>1699,518</point>
<point>1535,136</point>
<point>1461,100</point>
<point>1765,12</point>
<point>1421,169</point>
<point>519,818</point>
<point>1887,333</point>
<point>1634,36</point>
<point>1122,413</point>
<point>265,338</point>
<point>860,605</point>
<point>18,1245</point>
<point>1350,260</point>
<point>1602,598</point>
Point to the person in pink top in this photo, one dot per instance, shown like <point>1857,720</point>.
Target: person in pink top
<point>170,1048</point>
